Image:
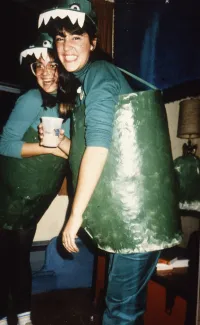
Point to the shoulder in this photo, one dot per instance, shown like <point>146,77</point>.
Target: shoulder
<point>32,96</point>
<point>103,68</point>
<point>27,104</point>
<point>100,74</point>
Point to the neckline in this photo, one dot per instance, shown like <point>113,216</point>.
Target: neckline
<point>81,72</point>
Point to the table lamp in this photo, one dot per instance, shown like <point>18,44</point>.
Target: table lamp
<point>189,124</point>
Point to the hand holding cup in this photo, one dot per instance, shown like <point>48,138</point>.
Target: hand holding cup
<point>50,131</point>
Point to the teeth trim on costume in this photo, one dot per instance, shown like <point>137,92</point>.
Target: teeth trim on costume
<point>62,13</point>
<point>38,52</point>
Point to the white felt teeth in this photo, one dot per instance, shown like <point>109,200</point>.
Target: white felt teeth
<point>37,51</point>
<point>62,13</point>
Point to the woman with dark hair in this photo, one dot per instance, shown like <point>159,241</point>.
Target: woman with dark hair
<point>30,177</point>
<point>121,162</point>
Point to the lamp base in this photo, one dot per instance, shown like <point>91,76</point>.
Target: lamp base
<point>189,148</point>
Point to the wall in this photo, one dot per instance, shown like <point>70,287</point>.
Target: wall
<point>53,219</point>
<point>176,143</point>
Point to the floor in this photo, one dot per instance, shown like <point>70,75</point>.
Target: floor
<point>64,307</point>
<point>75,307</point>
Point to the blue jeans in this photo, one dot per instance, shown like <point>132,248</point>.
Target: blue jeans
<point>128,277</point>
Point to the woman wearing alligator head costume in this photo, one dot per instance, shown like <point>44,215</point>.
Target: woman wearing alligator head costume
<point>30,177</point>
<point>122,168</point>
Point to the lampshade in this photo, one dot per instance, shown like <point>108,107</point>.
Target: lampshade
<point>189,119</point>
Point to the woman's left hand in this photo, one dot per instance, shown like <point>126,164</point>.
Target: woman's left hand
<point>58,152</point>
<point>70,233</point>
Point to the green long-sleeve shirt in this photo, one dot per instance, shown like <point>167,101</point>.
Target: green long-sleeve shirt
<point>102,83</point>
<point>27,113</point>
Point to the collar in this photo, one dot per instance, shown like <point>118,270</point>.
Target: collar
<point>82,72</point>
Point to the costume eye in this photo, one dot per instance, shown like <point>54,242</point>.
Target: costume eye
<point>47,43</point>
<point>75,7</point>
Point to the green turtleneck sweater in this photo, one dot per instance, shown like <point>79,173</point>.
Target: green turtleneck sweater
<point>27,113</point>
<point>102,83</point>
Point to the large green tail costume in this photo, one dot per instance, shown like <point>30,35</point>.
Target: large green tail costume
<point>134,207</point>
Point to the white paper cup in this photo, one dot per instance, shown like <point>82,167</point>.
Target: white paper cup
<point>51,128</point>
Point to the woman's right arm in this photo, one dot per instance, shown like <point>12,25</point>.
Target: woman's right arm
<point>21,118</point>
<point>35,149</point>
<point>24,113</point>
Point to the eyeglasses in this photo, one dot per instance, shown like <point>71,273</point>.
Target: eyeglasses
<point>39,68</point>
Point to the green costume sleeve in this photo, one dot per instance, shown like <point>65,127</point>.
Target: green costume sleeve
<point>102,84</point>
<point>26,113</point>
<point>21,118</point>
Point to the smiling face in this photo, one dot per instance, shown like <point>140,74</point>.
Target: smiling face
<point>74,50</point>
<point>46,73</point>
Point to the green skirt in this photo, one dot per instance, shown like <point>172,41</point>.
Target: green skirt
<point>28,186</point>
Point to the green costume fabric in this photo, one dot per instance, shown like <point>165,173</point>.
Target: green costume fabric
<point>28,186</point>
<point>134,207</point>
<point>187,169</point>
<point>42,45</point>
<point>75,10</point>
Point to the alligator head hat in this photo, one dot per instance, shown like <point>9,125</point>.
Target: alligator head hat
<point>76,10</point>
<point>40,48</point>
